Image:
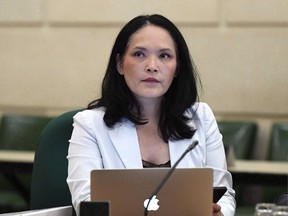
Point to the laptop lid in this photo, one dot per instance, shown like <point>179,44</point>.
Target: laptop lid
<point>187,191</point>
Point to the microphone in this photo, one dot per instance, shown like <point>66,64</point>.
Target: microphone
<point>166,177</point>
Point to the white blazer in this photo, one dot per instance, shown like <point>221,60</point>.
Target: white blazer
<point>95,146</point>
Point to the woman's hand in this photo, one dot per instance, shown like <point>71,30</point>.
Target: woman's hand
<point>216,210</point>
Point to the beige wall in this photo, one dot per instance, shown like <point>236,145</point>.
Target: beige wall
<point>53,53</point>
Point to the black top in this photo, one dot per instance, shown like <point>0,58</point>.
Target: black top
<point>147,164</point>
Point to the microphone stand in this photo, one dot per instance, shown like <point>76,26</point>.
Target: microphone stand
<point>164,180</point>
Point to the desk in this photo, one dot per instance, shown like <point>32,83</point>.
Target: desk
<point>17,162</point>
<point>259,172</point>
<point>16,156</point>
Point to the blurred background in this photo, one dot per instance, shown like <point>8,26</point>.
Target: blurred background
<point>53,54</point>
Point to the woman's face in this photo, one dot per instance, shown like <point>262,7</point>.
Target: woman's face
<point>149,64</point>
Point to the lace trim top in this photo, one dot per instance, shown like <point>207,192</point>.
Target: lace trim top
<point>147,164</point>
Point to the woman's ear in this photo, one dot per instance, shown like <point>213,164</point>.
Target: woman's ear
<point>119,64</point>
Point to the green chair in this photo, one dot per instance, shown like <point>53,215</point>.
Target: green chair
<point>240,135</point>
<point>11,200</point>
<point>278,148</point>
<point>20,133</point>
<point>48,186</point>
<point>277,151</point>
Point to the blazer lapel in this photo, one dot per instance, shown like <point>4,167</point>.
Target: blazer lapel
<point>177,148</point>
<point>125,141</point>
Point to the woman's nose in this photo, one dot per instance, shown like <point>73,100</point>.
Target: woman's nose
<point>151,65</point>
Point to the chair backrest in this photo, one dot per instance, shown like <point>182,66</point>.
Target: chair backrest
<point>278,147</point>
<point>49,187</point>
<point>21,132</point>
<point>240,135</point>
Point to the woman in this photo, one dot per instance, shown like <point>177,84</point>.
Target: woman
<point>148,113</point>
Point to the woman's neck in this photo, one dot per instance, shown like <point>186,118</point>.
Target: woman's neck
<point>150,109</point>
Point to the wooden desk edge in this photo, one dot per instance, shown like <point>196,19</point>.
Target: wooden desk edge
<point>17,156</point>
<point>259,166</point>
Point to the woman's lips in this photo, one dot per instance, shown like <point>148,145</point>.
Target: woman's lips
<point>151,80</point>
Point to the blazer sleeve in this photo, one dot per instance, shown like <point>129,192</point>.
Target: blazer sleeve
<point>83,156</point>
<point>216,159</point>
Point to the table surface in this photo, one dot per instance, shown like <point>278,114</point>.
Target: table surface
<point>17,156</point>
<point>259,166</point>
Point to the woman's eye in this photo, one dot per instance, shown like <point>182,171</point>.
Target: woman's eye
<point>138,54</point>
<point>165,55</point>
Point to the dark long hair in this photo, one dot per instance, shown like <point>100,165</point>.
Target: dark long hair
<point>119,101</point>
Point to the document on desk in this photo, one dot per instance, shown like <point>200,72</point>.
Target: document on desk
<point>57,211</point>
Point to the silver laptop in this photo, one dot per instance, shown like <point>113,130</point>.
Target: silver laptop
<point>187,191</point>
